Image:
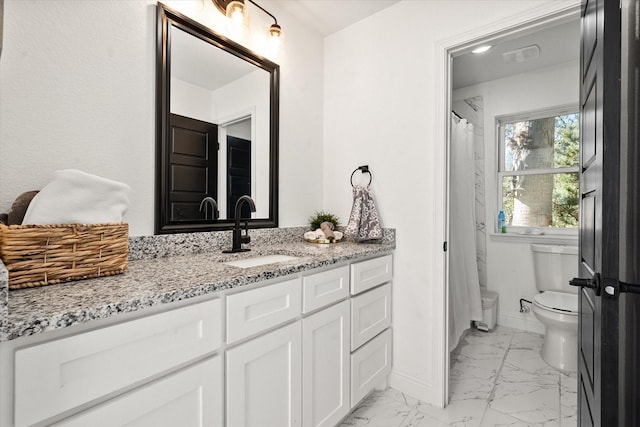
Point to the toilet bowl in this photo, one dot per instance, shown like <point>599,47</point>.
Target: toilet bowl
<point>558,311</point>
<point>556,306</point>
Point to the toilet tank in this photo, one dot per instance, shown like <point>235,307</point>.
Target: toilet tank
<point>554,266</point>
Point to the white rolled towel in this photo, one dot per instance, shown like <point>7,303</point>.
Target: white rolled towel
<point>318,234</point>
<point>76,197</point>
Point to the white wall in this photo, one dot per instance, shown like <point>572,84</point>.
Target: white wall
<point>381,101</point>
<point>77,80</point>
<point>510,263</point>
<point>190,100</point>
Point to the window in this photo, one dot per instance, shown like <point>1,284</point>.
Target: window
<point>538,169</point>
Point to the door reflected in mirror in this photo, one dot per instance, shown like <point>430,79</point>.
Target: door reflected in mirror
<point>218,129</point>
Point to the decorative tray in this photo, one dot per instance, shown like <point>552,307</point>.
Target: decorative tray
<point>323,241</point>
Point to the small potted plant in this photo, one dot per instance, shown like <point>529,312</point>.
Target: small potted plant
<point>319,217</point>
<point>322,226</point>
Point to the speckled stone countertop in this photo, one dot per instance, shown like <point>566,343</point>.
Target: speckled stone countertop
<point>154,279</point>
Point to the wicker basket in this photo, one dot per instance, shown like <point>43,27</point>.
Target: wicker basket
<point>38,255</point>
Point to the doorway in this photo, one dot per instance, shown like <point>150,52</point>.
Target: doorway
<point>501,33</point>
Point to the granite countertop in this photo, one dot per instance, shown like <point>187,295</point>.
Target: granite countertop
<point>156,281</point>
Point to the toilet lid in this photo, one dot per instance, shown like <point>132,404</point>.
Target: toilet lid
<point>557,301</point>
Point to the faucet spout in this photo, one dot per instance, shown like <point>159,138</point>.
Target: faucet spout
<point>238,208</point>
<point>214,207</point>
<point>238,239</point>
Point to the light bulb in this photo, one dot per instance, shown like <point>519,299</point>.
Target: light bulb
<point>236,12</point>
<point>275,31</point>
<point>481,49</point>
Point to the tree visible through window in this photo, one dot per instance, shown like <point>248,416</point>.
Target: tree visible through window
<point>539,170</point>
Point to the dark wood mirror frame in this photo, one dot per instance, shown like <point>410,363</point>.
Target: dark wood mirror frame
<point>166,18</point>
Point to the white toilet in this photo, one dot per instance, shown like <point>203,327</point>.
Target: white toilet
<point>556,306</point>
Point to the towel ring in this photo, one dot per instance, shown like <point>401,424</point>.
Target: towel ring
<point>362,169</point>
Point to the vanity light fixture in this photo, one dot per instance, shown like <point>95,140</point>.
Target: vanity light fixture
<point>236,11</point>
<point>481,49</point>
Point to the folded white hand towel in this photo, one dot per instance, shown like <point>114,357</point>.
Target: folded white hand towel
<point>76,197</point>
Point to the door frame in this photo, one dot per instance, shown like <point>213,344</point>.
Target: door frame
<point>248,113</point>
<point>446,49</point>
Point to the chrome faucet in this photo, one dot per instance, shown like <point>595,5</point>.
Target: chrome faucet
<point>214,206</point>
<point>238,237</point>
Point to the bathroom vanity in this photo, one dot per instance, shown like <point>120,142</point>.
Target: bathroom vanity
<point>194,341</point>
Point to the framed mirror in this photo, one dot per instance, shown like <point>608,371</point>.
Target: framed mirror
<point>217,129</point>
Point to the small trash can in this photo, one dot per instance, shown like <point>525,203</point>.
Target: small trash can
<point>489,310</point>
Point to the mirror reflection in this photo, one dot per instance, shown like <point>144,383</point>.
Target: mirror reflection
<point>219,130</point>
<point>217,98</point>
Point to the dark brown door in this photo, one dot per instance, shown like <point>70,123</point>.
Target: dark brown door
<point>238,174</point>
<point>192,169</point>
<point>601,340</point>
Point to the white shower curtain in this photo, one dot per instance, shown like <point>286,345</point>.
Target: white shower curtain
<point>465,303</point>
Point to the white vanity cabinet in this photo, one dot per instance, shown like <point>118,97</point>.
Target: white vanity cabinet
<point>302,350</point>
<point>370,325</point>
<point>297,374</point>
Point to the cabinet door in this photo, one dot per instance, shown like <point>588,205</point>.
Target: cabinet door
<point>189,398</point>
<point>325,366</point>
<point>264,380</point>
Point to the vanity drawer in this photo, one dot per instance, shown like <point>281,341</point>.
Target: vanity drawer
<point>325,288</point>
<point>370,365</point>
<point>59,375</point>
<point>370,314</point>
<point>257,310</point>
<point>190,397</point>
<point>371,273</point>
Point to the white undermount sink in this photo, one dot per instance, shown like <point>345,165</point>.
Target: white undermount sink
<point>259,260</point>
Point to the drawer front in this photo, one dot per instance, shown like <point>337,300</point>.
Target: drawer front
<point>370,365</point>
<point>370,315</point>
<point>323,289</point>
<point>188,398</point>
<point>371,273</point>
<point>259,309</point>
<point>59,375</point>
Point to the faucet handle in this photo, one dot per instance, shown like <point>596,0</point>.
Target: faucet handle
<point>245,238</point>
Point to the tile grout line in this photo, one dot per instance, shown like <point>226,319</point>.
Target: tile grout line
<point>495,381</point>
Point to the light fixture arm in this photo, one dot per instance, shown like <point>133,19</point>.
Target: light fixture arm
<point>275,30</point>
<point>264,10</point>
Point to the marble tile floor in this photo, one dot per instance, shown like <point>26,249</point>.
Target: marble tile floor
<point>497,379</point>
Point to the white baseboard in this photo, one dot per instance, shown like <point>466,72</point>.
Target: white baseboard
<point>522,321</point>
<point>416,389</point>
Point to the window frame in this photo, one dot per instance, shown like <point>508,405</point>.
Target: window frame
<point>501,160</point>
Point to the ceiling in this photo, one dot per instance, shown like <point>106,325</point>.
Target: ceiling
<point>329,16</point>
<point>556,44</point>
<point>187,50</point>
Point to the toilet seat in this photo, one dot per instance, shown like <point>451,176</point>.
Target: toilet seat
<point>559,302</point>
